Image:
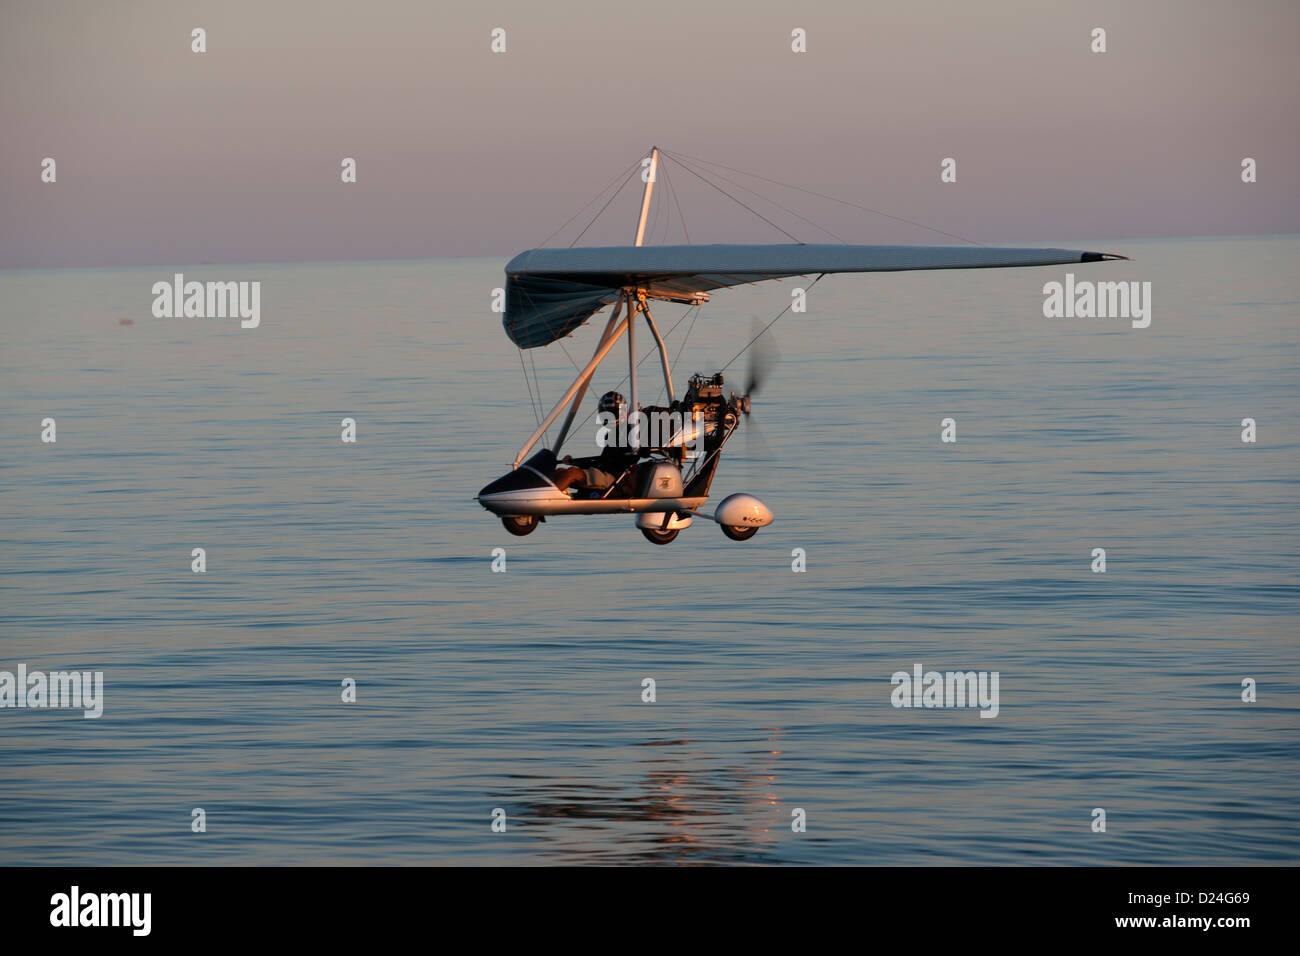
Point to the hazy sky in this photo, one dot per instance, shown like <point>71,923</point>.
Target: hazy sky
<point>169,157</point>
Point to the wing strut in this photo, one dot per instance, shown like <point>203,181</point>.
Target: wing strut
<point>586,380</point>
<point>579,382</point>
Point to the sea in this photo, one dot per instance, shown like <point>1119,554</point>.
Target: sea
<point>368,670</point>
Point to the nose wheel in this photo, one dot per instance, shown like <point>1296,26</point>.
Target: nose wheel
<point>519,525</point>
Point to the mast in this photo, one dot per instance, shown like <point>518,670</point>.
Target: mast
<point>634,306</point>
<point>645,197</point>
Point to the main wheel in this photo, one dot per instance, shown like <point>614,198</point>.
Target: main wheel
<point>519,524</point>
<point>736,533</point>
<point>657,536</point>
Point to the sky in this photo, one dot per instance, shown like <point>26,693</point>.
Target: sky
<point>165,156</point>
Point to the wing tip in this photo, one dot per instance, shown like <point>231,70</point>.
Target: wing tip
<point>1102,257</point>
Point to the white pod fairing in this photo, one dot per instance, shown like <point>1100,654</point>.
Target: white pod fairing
<point>655,521</point>
<point>742,511</point>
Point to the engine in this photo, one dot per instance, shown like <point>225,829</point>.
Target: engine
<point>704,395</point>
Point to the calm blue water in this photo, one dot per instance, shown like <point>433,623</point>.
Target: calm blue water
<point>522,690</point>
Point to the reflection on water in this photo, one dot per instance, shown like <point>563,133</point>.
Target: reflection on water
<point>673,811</point>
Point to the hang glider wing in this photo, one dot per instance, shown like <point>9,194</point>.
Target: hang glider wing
<point>551,292</point>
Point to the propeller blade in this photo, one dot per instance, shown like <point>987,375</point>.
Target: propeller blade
<point>763,356</point>
<point>755,434</point>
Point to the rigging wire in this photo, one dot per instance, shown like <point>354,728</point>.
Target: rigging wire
<point>768,199</point>
<point>584,208</point>
<point>602,209</point>
<point>689,329</point>
<point>538,382</point>
<point>768,326</point>
<point>567,355</point>
<point>731,197</point>
<point>667,218</point>
<point>528,382</point>
<point>672,191</point>
<point>813,192</point>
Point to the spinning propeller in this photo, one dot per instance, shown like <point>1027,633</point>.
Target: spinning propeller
<point>763,357</point>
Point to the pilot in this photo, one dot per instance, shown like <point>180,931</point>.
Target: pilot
<point>599,472</point>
